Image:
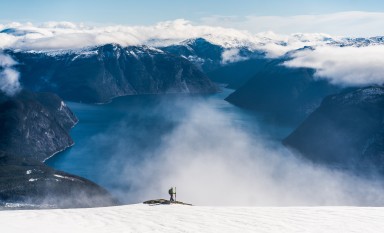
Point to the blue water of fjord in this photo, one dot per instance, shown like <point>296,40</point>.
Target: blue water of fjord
<point>131,129</point>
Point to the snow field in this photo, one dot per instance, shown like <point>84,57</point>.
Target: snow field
<point>176,218</point>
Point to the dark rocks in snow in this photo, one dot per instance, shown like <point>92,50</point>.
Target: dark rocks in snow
<point>164,202</point>
<point>27,183</point>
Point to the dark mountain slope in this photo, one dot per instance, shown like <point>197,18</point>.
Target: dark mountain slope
<point>34,125</point>
<point>347,131</point>
<point>27,183</point>
<point>209,58</point>
<point>283,94</point>
<point>100,73</point>
<point>238,73</point>
<point>202,53</point>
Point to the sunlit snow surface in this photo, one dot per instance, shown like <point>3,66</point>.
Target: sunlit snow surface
<point>175,218</point>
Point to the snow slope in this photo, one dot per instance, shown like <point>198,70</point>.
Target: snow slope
<point>176,218</point>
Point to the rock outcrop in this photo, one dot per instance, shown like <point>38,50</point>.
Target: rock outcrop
<point>34,125</point>
<point>26,183</point>
<point>164,202</point>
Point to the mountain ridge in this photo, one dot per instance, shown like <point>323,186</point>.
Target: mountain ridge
<point>98,74</point>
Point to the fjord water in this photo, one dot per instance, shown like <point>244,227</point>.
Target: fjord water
<point>111,138</point>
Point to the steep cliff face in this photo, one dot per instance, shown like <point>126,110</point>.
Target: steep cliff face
<point>98,74</point>
<point>346,131</point>
<point>34,125</point>
<point>282,94</point>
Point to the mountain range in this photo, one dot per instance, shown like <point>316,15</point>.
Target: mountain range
<point>98,74</point>
<point>336,126</point>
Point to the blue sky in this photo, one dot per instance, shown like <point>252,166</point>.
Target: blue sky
<point>146,12</point>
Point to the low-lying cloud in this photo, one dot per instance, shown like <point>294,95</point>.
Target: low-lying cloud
<point>9,77</point>
<point>232,55</point>
<point>341,65</point>
<point>212,159</point>
<point>67,35</point>
<point>346,66</point>
<point>347,24</point>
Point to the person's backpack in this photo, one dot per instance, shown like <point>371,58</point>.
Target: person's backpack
<point>170,191</point>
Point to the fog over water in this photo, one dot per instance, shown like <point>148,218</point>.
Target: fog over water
<point>213,152</point>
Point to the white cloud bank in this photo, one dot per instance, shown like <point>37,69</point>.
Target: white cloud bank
<point>346,66</point>
<point>347,24</point>
<point>212,160</point>
<point>231,55</point>
<point>9,77</point>
<point>66,35</point>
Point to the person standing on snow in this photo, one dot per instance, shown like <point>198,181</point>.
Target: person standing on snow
<point>172,191</point>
